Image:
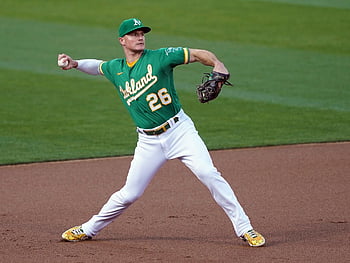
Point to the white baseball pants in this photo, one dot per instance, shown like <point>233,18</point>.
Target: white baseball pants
<point>180,141</point>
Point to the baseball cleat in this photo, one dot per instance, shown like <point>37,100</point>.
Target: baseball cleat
<point>75,234</point>
<point>253,238</point>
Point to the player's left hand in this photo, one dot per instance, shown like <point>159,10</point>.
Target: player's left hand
<point>211,86</point>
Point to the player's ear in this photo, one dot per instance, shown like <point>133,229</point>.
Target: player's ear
<point>122,41</point>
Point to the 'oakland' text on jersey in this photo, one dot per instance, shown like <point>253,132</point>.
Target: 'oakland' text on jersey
<point>146,86</point>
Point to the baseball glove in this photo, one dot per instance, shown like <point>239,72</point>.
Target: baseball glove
<point>211,86</point>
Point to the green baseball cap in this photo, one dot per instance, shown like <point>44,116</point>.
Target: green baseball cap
<point>130,25</point>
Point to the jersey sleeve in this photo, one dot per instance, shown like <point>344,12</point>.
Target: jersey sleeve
<point>106,69</point>
<point>100,68</point>
<point>174,56</point>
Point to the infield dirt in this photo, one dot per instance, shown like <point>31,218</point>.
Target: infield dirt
<point>297,196</point>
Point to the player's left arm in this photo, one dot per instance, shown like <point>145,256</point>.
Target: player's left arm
<point>207,58</point>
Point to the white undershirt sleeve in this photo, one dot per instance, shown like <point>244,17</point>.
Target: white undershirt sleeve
<point>89,66</point>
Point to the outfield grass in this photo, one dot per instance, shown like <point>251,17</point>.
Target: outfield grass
<point>289,62</point>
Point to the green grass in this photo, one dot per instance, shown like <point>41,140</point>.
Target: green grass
<point>289,62</point>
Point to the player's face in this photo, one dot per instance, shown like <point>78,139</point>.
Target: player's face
<point>134,41</point>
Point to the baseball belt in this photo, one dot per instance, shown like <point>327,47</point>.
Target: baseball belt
<point>159,130</point>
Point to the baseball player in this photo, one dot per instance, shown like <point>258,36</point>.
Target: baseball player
<point>144,82</point>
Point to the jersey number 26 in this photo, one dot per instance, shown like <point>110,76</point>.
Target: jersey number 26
<point>157,100</point>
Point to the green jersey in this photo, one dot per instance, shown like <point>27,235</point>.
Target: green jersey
<point>147,87</point>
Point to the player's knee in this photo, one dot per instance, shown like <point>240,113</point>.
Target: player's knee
<point>205,172</point>
<point>130,197</point>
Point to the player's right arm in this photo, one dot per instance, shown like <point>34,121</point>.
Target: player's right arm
<point>89,66</point>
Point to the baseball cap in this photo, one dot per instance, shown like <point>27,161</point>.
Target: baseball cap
<point>130,25</point>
